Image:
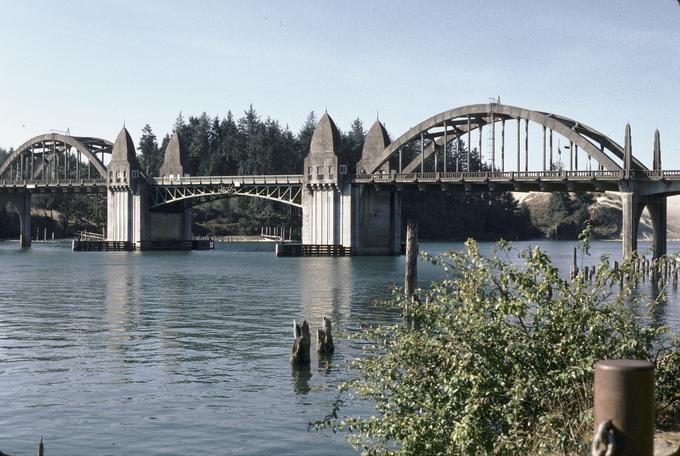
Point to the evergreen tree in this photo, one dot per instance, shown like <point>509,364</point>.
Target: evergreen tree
<point>352,144</point>
<point>150,156</point>
<point>305,134</point>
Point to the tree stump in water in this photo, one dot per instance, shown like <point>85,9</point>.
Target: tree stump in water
<point>299,355</point>
<point>324,338</point>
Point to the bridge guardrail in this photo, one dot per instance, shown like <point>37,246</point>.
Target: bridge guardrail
<point>513,175</point>
<point>288,179</point>
<point>52,183</point>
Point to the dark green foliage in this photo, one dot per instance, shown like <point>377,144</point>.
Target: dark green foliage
<point>461,215</point>
<point>501,361</point>
<point>565,215</point>
<point>458,216</point>
<point>150,155</point>
<point>351,144</point>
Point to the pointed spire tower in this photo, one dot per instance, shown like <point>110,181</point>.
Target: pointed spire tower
<point>174,159</point>
<point>375,143</point>
<point>124,165</point>
<point>321,163</point>
<point>627,150</point>
<point>657,151</point>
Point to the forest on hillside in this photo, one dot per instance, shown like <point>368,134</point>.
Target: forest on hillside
<point>251,144</point>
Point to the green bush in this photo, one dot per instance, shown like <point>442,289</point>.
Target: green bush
<point>501,360</point>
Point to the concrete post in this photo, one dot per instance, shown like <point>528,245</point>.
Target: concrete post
<point>411,272</point>
<point>624,394</point>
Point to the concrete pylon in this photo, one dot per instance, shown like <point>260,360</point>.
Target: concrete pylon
<point>326,199</point>
<point>627,152</point>
<point>174,158</point>
<point>375,143</point>
<point>172,223</point>
<point>376,217</point>
<point>657,151</point>
<point>127,194</point>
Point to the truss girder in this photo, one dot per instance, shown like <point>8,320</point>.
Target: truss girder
<point>285,192</point>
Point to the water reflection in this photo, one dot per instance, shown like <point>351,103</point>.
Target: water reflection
<point>121,302</point>
<point>301,376</point>
<point>325,286</point>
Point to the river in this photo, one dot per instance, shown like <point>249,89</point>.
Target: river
<point>174,353</point>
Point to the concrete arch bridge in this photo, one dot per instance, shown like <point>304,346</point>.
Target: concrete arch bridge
<point>355,211</point>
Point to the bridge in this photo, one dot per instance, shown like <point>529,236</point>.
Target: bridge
<point>357,211</point>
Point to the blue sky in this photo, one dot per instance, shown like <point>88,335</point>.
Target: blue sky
<point>91,65</point>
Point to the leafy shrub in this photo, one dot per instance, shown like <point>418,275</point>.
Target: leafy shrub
<point>501,361</point>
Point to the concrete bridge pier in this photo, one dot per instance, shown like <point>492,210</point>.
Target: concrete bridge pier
<point>21,204</point>
<point>127,194</point>
<point>657,207</point>
<point>632,205</point>
<point>631,208</point>
<point>376,217</point>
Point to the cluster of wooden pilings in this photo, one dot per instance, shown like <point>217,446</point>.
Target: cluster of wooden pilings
<point>299,355</point>
<point>659,271</point>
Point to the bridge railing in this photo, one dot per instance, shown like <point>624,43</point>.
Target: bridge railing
<point>509,176</point>
<point>52,182</point>
<point>288,179</point>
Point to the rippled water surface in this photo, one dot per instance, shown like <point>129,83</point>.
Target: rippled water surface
<point>172,353</point>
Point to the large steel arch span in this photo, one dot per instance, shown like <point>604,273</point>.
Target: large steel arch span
<point>87,146</point>
<point>163,196</point>
<point>585,137</point>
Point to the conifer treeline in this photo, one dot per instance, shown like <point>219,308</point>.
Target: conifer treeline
<point>243,146</point>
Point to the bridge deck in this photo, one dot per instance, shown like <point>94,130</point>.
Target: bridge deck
<point>493,180</point>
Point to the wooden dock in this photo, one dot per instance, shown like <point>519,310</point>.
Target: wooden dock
<point>86,245</point>
<point>307,250</point>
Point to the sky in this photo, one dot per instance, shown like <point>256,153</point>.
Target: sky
<point>92,66</point>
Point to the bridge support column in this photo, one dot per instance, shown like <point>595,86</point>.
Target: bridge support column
<point>657,210</point>
<point>326,215</point>
<point>376,223</point>
<point>631,211</point>
<point>127,214</point>
<point>22,203</point>
<point>170,226</point>
<point>25,220</point>
<point>127,195</point>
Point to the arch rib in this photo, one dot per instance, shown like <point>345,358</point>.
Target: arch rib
<point>574,131</point>
<point>72,141</point>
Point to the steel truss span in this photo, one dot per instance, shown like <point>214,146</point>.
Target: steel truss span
<point>286,189</point>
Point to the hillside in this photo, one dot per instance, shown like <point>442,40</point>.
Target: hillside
<point>605,214</point>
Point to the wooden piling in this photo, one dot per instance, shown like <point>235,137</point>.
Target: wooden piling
<point>299,355</point>
<point>574,266</point>
<point>411,272</point>
<point>41,448</point>
<point>324,338</point>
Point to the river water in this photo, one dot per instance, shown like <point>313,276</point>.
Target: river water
<point>178,353</point>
